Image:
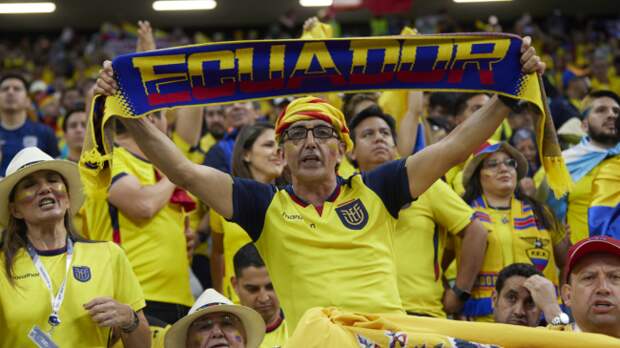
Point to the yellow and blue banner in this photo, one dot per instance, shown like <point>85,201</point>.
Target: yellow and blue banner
<point>218,73</point>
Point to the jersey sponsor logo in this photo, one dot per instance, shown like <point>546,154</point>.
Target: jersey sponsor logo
<point>81,273</point>
<point>292,217</point>
<point>353,214</point>
<point>29,140</point>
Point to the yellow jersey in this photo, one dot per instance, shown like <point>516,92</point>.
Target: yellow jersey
<point>420,239</point>
<point>98,269</point>
<point>515,235</point>
<point>339,254</point>
<point>156,248</point>
<point>276,335</point>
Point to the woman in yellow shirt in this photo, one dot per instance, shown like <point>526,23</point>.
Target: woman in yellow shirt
<point>59,290</point>
<point>520,228</point>
<point>255,156</point>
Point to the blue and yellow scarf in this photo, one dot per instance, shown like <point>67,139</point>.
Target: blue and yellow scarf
<point>219,73</point>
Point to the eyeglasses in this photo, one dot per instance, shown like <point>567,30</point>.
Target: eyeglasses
<point>494,164</point>
<point>319,132</point>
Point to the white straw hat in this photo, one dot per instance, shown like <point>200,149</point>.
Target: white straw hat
<point>212,301</point>
<point>30,160</point>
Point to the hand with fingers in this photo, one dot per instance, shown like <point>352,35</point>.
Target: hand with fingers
<point>146,40</point>
<point>310,23</point>
<point>530,61</point>
<point>107,312</point>
<point>106,84</point>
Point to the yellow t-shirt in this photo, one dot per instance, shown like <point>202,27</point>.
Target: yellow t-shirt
<point>234,238</point>
<point>420,237</point>
<point>99,269</point>
<point>276,337</point>
<point>156,248</point>
<point>339,254</point>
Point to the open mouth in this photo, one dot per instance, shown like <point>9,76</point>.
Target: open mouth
<point>602,306</point>
<point>310,159</point>
<point>46,202</point>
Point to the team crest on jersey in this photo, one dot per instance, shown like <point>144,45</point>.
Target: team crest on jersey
<point>81,273</point>
<point>353,214</point>
<point>538,255</point>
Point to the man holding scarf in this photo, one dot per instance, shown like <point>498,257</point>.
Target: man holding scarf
<point>600,109</point>
<point>325,239</point>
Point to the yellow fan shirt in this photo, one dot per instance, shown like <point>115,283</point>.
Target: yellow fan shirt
<point>156,248</point>
<point>98,269</point>
<point>420,239</point>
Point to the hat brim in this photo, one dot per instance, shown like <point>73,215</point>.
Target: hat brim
<point>67,169</point>
<point>253,324</point>
<point>474,163</point>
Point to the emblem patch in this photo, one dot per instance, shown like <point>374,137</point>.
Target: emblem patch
<point>81,273</point>
<point>353,214</point>
<point>538,255</point>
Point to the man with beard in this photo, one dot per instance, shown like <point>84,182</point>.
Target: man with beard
<point>600,109</point>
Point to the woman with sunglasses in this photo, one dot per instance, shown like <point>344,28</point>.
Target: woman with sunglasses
<point>520,229</point>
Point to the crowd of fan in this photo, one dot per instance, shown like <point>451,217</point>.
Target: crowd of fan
<point>556,272</point>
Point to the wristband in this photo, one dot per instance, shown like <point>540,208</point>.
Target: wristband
<point>462,295</point>
<point>133,326</point>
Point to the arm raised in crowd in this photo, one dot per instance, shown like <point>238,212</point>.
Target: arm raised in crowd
<point>428,165</point>
<point>210,185</point>
<point>408,130</point>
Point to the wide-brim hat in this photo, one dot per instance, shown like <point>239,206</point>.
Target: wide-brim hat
<point>485,151</point>
<point>212,301</point>
<point>30,160</point>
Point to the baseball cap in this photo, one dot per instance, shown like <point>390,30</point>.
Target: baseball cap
<point>592,245</point>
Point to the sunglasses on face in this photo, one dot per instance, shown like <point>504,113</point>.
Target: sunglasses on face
<point>319,132</point>
<point>494,164</point>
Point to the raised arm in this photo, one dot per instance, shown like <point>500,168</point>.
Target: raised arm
<point>210,185</point>
<point>408,129</point>
<point>428,165</point>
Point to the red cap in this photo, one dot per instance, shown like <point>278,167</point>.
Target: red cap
<point>592,245</point>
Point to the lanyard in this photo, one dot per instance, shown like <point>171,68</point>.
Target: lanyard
<point>56,301</point>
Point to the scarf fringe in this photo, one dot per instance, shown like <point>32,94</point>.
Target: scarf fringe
<point>558,177</point>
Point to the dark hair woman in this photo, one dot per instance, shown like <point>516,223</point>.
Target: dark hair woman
<point>520,229</point>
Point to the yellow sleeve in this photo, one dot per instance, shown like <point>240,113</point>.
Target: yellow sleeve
<point>215,222</point>
<point>119,163</point>
<point>127,289</point>
<point>449,210</point>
